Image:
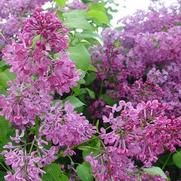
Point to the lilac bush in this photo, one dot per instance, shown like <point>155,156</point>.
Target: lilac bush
<point>74,107</point>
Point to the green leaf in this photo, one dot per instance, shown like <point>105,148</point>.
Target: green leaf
<point>166,159</point>
<point>177,159</point>
<point>91,93</point>
<point>80,55</point>
<point>155,171</point>
<point>3,66</point>
<point>77,91</point>
<point>5,76</point>
<point>90,77</point>
<point>97,125</point>
<point>74,101</point>
<point>60,3</point>
<point>108,99</point>
<point>92,68</point>
<point>84,172</point>
<point>98,13</point>
<point>2,90</point>
<point>76,19</point>
<point>2,174</point>
<point>89,35</point>
<point>93,146</point>
<point>64,178</point>
<point>37,125</point>
<point>34,41</point>
<point>87,1</point>
<point>5,132</point>
<point>98,16</point>
<point>54,173</point>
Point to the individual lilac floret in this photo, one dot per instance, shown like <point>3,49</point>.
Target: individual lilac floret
<point>65,127</point>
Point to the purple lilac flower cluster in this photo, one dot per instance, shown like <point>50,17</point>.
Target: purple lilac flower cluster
<point>27,164</point>
<point>141,132</point>
<point>13,13</point>
<point>139,65</point>
<point>62,126</point>
<point>142,62</point>
<point>39,75</point>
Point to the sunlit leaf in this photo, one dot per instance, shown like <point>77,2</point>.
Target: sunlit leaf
<point>74,101</point>
<point>155,171</point>
<point>76,19</point>
<point>84,172</point>
<point>98,13</point>
<point>177,159</point>
<point>54,173</point>
<point>80,55</point>
<point>61,3</point>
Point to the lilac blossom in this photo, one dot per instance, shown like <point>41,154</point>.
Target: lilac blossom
<point>143,131</point>
<point>65,127</point>
<point>138,64</point>
<point>14,13</point>
<point>26,166</point>
<point>25,60</point>
<point>25,101</point>
<point>49,28</point>
<point>112,165</point>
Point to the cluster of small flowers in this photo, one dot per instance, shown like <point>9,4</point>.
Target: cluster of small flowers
<point>152,21</point>
<point>139,64</point>
<point>65,128</point>
<point>38,74</point>
<point>113,165</point>
<point>27,165</point>
<point>142,62</point>
<point>137,133</point>
<point>42,68</point>
<point>13,13</point>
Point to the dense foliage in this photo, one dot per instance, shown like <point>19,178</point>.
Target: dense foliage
<point>81,100</point>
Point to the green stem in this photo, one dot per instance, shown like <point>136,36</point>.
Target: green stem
<point>32,144</point>
<point>168,158</point>
<point>4,167</point>
<point>72,162</point>
<point>100,92</point>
